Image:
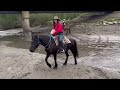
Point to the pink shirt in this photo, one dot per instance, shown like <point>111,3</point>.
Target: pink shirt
<point>58,29</point>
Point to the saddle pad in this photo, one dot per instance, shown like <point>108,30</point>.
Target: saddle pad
<point>65,40</point>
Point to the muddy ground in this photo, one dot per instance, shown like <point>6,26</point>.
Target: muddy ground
<point>99,55</point>
<point>19,63</point>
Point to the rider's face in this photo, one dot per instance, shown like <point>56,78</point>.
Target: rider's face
<point>55,21</point>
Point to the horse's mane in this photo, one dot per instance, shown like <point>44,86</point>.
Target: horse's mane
<point>43,35</point>
<point>46,38</point>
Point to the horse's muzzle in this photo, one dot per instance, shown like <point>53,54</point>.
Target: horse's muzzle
<point>31,50</point>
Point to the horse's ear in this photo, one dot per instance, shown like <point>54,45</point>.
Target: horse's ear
<point>32,33</point>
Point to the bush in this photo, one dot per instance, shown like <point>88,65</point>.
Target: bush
<point>46,18</point>
<point>39,19</point>
<point>9,21</point>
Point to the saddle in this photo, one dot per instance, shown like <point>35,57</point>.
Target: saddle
<point>65,40</point>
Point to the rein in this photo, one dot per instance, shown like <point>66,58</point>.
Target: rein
<point>49,43</point>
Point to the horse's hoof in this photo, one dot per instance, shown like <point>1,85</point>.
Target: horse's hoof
<point>75,63</point>
<point>49,66</point>
<point>54,67</point>
<point>64,63</point>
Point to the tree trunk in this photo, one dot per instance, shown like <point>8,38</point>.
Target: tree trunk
<point>26,25</point>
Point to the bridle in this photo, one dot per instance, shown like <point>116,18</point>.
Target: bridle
<point>39,42</point>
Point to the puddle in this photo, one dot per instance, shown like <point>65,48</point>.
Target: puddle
<point>16,41</point>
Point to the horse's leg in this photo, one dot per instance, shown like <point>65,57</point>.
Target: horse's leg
<point>55,59</point>
<point>67,55</point>
<point>73,52</point>
<point>69,31</point>
<point>46,59</point>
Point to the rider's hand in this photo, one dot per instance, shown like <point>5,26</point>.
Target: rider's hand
<point>52,31</point>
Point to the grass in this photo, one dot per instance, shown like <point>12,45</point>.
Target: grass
<point>10,21</point>
<point>112,19</point>
<point>46,18</point>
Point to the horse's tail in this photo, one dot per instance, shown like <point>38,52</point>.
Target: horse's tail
<point>76,49</point>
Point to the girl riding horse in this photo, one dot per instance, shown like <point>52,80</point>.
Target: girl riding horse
<point>50,45</point>
<point>58,30</point>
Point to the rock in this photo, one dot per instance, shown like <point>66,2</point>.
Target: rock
<point>100,45</point>
<point>89,46</point>
<point>110,23</point>
<point>93,45</point>
<point>97,24</point>
<point>115,22</point>
<point>88,33</point>
<point>104,24</point>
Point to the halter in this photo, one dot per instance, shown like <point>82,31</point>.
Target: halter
<point>49,43</point>
<point>38,41</point>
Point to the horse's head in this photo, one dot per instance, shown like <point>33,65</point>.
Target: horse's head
<point>34,43</point>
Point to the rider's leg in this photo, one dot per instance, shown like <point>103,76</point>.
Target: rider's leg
<point>61,37</point>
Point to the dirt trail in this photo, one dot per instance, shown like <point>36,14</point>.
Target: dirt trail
<point>26,65</point>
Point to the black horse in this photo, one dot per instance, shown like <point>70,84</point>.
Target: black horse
<point>51,47</point>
